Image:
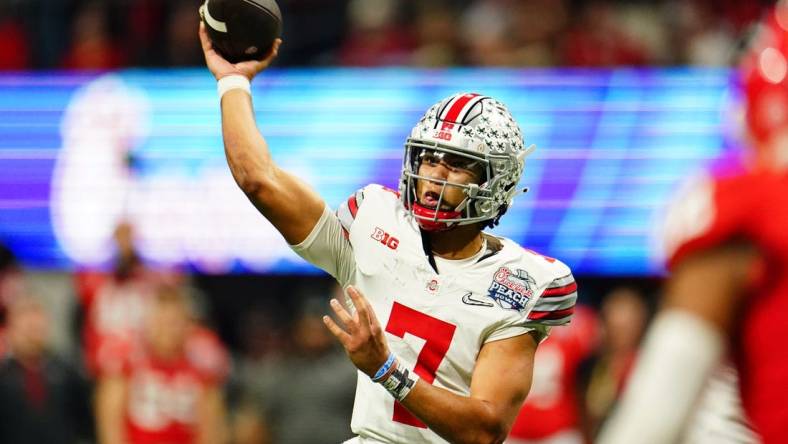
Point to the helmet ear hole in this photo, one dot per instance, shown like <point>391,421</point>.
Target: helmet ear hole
<point>492,223</point>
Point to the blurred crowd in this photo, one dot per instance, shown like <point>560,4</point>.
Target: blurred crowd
<point>109,34</point>
<point>158,356</point>
<point>143,359</point>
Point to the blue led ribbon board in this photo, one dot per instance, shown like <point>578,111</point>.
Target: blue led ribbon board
<point>79,153</point>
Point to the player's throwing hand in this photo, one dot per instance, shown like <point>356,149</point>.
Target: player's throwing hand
<point>220,67</point>
<point>362,337</point>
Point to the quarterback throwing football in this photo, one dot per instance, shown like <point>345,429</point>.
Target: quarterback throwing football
<point>444,318</point>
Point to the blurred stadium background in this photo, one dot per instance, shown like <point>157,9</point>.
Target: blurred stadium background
<point>113,183</point>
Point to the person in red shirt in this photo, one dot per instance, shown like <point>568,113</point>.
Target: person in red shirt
<point>727,251</point>
<point>551,411</point>
<point>166,386</point>
<point>113,302</point>
<point>92,44</point>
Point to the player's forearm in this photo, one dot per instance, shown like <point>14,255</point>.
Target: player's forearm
<point>458,419</point>
<point>678,343</point>
<point>245,148</point>
<point>687,339</point>
<point>211,427</point>
<point>287,202</point>
<point>109,412</point>
<point>111,433</point>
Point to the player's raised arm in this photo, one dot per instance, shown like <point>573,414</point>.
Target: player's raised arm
<point>287,202</point>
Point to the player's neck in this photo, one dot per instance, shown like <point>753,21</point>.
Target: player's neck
<point>458,243</point>
<point>165,352</point>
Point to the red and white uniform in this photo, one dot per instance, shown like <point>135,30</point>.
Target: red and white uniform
<point>114,312</point>
<point>162,396</point>
<point>550,414</point>
<point>436,323</point>
<point>747,207</point>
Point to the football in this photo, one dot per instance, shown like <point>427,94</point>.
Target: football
<point>242,29</point>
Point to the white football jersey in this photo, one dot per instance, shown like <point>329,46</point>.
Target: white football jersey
<point>435,322</point>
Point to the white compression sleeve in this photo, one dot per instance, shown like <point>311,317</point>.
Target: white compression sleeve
<point>675,361</point>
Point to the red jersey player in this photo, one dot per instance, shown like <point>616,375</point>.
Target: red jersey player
<point>550,413</point>
<point>164,388</point>
<point>114,302</point>
<point>728,253</point>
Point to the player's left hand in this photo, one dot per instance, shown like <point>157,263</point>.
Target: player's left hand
<point>362,336</point>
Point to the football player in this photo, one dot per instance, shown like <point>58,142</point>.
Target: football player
<point>444,319</point>
<point>164,386</point>
<point>552,413</point>
<point>728,253</point>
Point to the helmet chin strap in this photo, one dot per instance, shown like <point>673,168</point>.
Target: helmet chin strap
<point>426,218</point>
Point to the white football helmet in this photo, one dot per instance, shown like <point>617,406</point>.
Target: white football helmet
<point>480,129</point>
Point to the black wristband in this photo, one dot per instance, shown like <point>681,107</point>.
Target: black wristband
<point>400,382</point>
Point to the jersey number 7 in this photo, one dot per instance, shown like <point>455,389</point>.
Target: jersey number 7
<point>437,334</point>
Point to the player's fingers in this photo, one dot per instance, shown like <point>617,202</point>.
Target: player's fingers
<point>204,40</point>
<point>362,309</point>
<point>337,331</point>
<point>255,66</point>
<point>360,299</point>
<point>272,53</point>
<point>373,321</point>
<point>277,44</point>
<point>344,316</point>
